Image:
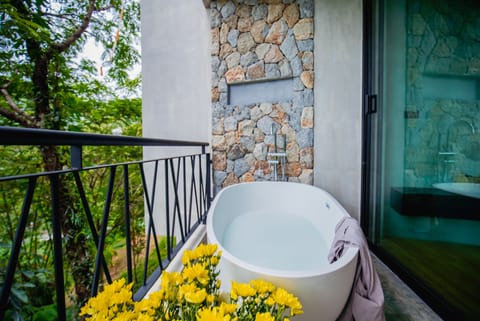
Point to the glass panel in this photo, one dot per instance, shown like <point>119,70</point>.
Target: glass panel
<point>428,181</point>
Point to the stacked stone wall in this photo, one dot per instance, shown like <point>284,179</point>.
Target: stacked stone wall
<point>255,40</point>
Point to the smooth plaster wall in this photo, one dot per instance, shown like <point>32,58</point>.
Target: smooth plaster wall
<point>176,70</point>
<point>176,75</point>
<point>338,100</point>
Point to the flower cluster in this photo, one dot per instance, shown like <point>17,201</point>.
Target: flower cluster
<point>194,294</point>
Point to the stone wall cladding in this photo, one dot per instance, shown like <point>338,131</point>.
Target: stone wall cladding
<point>261,40</point>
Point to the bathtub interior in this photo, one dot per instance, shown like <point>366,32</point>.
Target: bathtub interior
<point>307,202</point>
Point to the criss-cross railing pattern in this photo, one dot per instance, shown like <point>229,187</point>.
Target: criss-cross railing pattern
<point>175,192</point>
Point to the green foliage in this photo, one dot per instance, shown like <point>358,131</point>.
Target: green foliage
<point>46,313</point>
<point>32,296</point>
<point>44,83</point>
<point>39,62</point>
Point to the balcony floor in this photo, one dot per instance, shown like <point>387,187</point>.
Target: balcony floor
<point>401,303</point>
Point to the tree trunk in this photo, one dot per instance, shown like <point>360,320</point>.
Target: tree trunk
<point>76,253</point>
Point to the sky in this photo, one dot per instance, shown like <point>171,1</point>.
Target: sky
<point>93,52</point>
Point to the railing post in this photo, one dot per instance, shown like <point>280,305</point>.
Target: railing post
<point>57,247</point>
<point>126,210</point>
<point>76,156</point>
<point>167,213</point>
<point>208,181</point>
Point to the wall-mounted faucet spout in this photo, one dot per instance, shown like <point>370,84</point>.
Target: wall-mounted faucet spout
<point>276,157</point>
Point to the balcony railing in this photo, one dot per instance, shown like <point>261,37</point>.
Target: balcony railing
<point>174,191</point>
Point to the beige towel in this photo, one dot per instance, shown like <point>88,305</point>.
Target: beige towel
<point>366,299</point>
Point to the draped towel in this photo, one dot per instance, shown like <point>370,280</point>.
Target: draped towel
<point>366,299</point>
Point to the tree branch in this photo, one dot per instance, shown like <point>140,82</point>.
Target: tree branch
<point>104,8</point>
<point>59,15</point>
<point>60,47</point>
<point>16,114</point>
<point>16,118</point>
<point>14,106</point>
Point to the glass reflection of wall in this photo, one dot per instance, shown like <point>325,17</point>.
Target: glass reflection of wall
<point>442,93</point>
<point>431,135</point>
<point>432,97</point>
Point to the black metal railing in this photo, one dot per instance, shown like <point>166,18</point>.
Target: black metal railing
<point>175,194</point>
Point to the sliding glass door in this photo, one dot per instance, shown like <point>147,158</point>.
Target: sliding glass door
<point>423,142</point>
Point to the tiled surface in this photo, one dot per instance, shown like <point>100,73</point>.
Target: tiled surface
<point>401,303</point>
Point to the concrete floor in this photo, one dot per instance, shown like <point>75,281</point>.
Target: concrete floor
<point>401,303</point>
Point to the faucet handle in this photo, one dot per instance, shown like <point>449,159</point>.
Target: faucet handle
<point>277,154</point>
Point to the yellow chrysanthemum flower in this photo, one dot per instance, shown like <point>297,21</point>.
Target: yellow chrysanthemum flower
<point>214,260</point>
<point>199,252</point>
<point>105,303</point>
<point>262,286</point>
<point>264,317</point>
<point>156,298</point>
<point>296,310</point>
<point>190,256</point>
<point>180,290</point>
<point>145,317</point>
<point>196,272</point>
<point>241,289</point>
<point>196,297</point>
<point>125,316</point>
<point>206,250</point>
<point>144,305</point>
<point>228,308</point>
<point>151,304</point>
<point>170,279</point>
<point>270,301</point>
<point>286,299</point>
<point>210,299</point>
<point>282,297</point>
<point>211,314</point>
<point>186,288</point>
<point>186,258</point>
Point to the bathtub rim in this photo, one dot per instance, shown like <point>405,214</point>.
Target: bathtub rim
<point>350,253</point>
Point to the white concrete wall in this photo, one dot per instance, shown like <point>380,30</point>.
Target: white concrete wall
<point>338,100</point>
<point>176,70</point>
<point>176,73</point>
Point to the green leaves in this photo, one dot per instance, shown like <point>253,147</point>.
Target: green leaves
<point>41,60</point>
<point>46,83</point>
<point>25,24</point>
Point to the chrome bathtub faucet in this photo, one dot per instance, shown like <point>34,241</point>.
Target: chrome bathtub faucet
<point>277,158</point>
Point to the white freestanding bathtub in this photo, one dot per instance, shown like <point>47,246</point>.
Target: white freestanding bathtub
<point>282,232</point>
